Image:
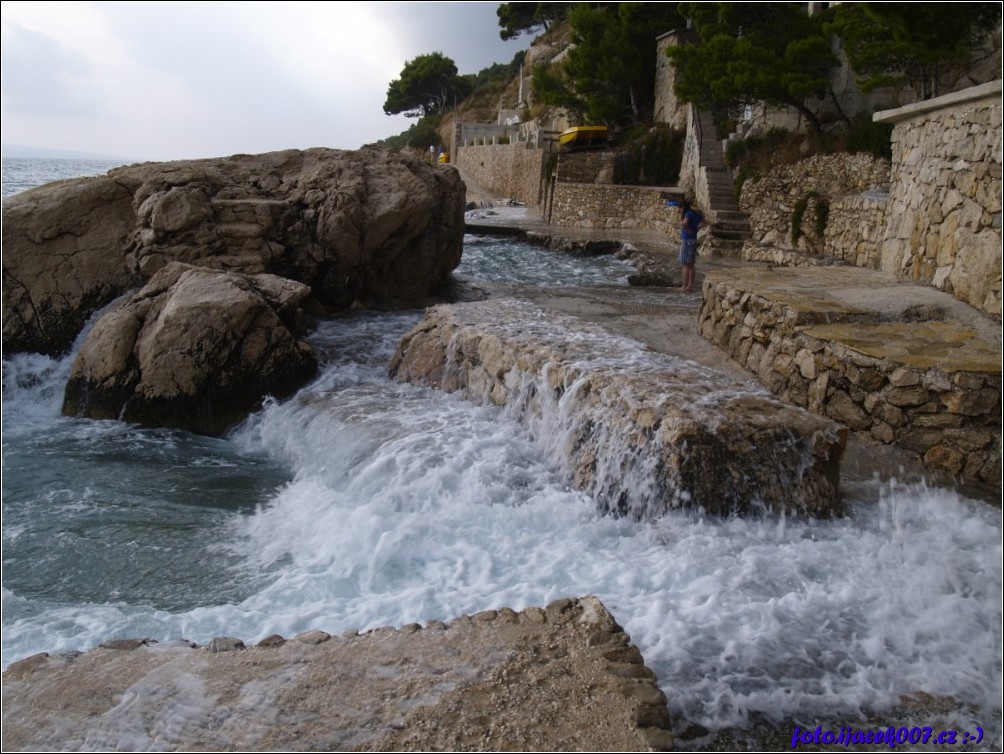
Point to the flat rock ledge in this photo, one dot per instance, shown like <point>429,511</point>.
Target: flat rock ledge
<point>907,365</point>
<point>641,432</point>
<point>561,678</point>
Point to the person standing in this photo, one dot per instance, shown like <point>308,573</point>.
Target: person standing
<point>691,222</point>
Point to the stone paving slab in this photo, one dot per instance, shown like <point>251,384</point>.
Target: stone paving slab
<point>560,678</point>
<point>902,365</point>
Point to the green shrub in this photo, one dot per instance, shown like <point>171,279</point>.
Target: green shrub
<point>822,215</point>
<point>865,135</point>
<point>654,159</point>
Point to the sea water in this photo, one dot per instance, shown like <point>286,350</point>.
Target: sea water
<point>360,502</point>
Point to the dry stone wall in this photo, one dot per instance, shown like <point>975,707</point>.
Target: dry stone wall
<point>586,167</point>
<point>511,170</point>
<point>849,191</point>
<point>929,387</point>
<point>943,223</point>
<point>933,216</point>
<point>589,205</point>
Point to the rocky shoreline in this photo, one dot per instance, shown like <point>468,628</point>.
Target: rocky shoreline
<point>498,680</point>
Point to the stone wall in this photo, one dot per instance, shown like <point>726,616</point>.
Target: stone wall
<point>847,188</point>
<point>927,386</point>
<point>943,223</point>
<point>854,229</point>
<point>693,181</point>
<point>640,432</point>
<point>590,205</point>
<point>668,107</point>
<point>512,170</point>
<point>585,167</point>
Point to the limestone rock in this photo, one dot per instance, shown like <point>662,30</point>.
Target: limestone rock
<point>195,349</point>
<point>354,226</point>
<point>63,258</point>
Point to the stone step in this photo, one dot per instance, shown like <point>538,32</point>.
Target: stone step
<point>724,201</point>
<point>723,247</point>
<point>732,225</point>
<point>735,217</point>
<point>729,235</point>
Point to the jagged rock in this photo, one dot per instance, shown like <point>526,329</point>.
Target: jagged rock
<point>354,226</point>
<point>196,349</point>
<point>640,432</point>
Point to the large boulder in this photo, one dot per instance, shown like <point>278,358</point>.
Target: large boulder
<point>195,349</point>
<point>360,226</point>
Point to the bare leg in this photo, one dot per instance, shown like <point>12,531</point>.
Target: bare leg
<point>688,278</point>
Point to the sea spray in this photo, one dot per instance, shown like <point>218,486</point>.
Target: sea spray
<point>640,432</point>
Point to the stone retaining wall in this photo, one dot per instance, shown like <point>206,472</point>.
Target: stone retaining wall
<point>827,361</point>
<point>511,170</point>
<point>854,220</point>
<point>586,167</point>
<point>943,225</point>
<point>934,216</point>
<point>590,205</point>
<point>854,229</point>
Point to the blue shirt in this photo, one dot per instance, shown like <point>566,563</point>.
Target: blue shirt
<point>691,224</point>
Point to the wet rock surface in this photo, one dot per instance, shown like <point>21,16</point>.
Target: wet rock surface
<point>561,678</point>
<point>641,432</point>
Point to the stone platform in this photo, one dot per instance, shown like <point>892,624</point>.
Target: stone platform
<point>641,432</point>
<point>560,678</point>
<point>905,365</point>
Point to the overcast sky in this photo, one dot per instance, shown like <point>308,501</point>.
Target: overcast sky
<point>175,80</point>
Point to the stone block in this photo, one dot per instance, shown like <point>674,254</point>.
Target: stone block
<point>706,440</point>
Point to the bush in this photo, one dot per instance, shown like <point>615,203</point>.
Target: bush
<point>652,160</point>
<point>822,207</point>
<point>865,135</point>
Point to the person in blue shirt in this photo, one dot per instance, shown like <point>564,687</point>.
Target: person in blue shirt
<point>691,222</point>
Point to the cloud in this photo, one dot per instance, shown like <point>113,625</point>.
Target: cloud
<point>168,80</point>
<point>42,76</point>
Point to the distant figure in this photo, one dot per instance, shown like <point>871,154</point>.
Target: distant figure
<point>432,153</point>
<point>444,157</point>
<point>691,222</point>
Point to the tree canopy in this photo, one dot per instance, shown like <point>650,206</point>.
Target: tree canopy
<point>754,52</point>
<point>891,44</point>
<point>426,86</point>
<point>609,74</point>
<point>523,18</point>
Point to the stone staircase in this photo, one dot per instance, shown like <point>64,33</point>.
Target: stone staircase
<point>730,227</point>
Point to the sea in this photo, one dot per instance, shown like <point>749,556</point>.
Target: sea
<point>360,502</point>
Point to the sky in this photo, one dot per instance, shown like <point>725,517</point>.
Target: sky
<point>181,80</point>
